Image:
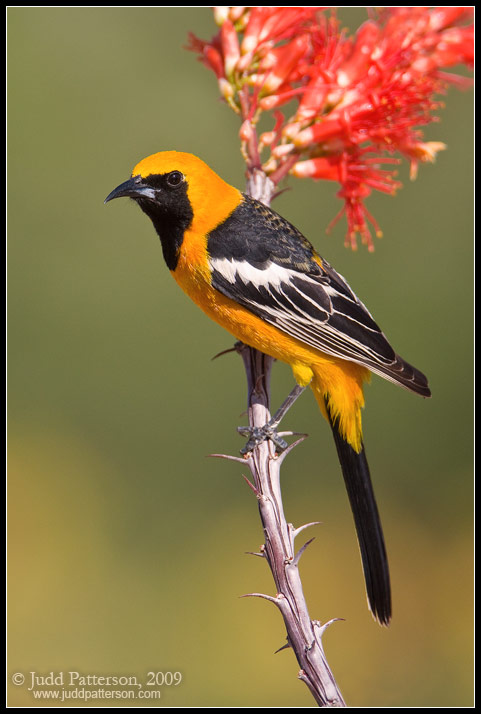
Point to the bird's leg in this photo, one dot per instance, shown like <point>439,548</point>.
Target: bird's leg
<point>269,431</point>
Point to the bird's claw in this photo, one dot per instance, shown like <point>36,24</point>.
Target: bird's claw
<point>256,435</point>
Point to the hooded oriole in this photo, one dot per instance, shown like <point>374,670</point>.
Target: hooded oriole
<point>256,275</point>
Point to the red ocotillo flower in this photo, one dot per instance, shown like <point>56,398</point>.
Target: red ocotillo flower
<point>360,101</point>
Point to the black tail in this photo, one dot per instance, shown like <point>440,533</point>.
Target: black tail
<point>355,470</point>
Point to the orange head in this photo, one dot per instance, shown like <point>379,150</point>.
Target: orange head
<point>178,192</point>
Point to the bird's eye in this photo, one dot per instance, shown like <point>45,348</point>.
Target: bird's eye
<point>174,179</point>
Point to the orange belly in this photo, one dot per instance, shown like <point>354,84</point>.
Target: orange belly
<point>332,378</point>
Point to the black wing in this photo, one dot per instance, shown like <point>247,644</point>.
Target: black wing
<point>266,265</point>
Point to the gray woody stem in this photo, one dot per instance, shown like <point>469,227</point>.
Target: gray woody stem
<point>303,634</point>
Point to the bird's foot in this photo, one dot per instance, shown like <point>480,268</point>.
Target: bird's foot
<point>256,435</point>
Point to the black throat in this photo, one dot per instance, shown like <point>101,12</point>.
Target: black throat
<point>171,219</point>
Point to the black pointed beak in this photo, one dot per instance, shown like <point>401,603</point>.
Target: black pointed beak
<point>133,188</point>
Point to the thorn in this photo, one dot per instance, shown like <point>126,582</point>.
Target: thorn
<point>324,627</point>
<point>297,557</point>
<point>284,647</point>
<point>251,552</point>
<point>296,531</point>
<point>275,600</point>
<point>228,457</point>
<point>280,192</point>
<point>251,485</point>
<point>292,446</point>
<point>224,352</point>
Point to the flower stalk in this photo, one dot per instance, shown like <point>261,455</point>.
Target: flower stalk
<point>304,635</point>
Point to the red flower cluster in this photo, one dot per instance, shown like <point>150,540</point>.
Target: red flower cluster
<point>357,100</point>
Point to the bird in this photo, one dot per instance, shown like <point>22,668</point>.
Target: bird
<point>256,275</point>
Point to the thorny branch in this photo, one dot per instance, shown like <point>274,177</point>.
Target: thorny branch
<point>303,634</point>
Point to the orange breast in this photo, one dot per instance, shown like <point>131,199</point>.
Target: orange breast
<point>336,378</point>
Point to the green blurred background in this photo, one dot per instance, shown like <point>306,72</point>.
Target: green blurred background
<point>126,544</point>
